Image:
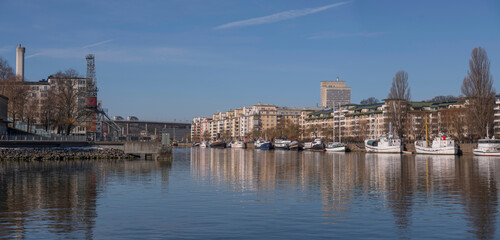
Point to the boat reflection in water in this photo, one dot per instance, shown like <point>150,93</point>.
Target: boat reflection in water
<point>238,193</point>
<point>410,188</point>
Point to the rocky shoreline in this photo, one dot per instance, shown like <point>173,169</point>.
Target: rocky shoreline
<point>58,154</point>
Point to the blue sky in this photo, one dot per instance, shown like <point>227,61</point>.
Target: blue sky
<point>166,60</point>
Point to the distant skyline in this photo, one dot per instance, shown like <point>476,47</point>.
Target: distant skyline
<point>166,60</point>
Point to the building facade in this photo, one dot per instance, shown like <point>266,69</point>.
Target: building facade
<point>334,93</point>
<point>353,122</point>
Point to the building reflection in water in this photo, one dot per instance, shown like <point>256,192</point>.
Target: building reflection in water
<point>58,199</point>
<point>402,181</point>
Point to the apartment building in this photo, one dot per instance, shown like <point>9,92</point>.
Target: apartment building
<point>356,122</point>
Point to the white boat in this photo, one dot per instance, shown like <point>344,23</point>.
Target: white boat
<point>335,147</point>
<point>282,144</point>
<point>238,144</point>
<point>203,144</point>
<point>385,144</point>
<point>316,145</point>
<point>440,145</point>
<point>487,147</point>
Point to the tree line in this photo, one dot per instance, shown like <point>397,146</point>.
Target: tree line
<point>474,120</point>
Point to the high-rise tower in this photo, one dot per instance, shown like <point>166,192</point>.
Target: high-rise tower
<point>334,93</point>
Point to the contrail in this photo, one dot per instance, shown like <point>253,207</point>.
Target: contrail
<point>98,43</point>
<point>277,17</point>
<point>33,55</point>
<point>70,49</point>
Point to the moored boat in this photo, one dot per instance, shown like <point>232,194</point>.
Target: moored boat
<point>295,146</point>
<point>217,144</point>
<point>203,144</point>
<point>487,147</point>
<point>262,144</point>
<point>335,147</point>
<point>238,145</point>
<point>316,145</point>
<point>282,144</point>
<point>385,144</point>
<point>440,145</point>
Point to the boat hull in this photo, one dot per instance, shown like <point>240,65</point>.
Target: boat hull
<point>486,153</point>
<point>451,150</point>
<point>218,145</point>
<point>264,146</point>
<point>389,149</point>
<point>336,149</point>
<point>238,145</point>
<point>319,147</point>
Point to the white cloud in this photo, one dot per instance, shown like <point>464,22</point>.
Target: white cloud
<point>277,17</point>
<point>332,35</point>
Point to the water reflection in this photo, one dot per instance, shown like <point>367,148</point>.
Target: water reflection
<point>404,183</point>
<point>60,198</point>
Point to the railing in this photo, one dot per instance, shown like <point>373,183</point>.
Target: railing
<point>22,137</point>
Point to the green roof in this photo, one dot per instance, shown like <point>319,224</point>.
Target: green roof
<point>362,113</point>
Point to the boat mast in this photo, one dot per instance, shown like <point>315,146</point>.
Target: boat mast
<point>426,137</point>
<point>333,122</point>
<point>340,127</point>
<point>487,132</point>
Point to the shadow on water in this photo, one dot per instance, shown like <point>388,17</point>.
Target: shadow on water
<point>49,199</point>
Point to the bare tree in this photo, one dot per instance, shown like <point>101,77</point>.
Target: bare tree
<point>206,135</point>
<point>6,72</point>
<point>454,121</point>
<point>369,101</point>
<point>443,98</point>
<point>68,101</point>
<point>398,102</point>
<point>478,89</point>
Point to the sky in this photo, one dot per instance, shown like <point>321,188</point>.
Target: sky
<point>177,59</point>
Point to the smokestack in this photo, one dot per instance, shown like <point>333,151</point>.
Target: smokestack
<point>20,62</point>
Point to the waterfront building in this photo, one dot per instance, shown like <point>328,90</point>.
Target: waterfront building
<point>334,93</point>
<point>248,122</point>
<point>496,121</point>
<point>38,97</point>
<point>199,127</point>
<point>359,122</point>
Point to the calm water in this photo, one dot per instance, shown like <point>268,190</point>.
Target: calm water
<point>246,194</point>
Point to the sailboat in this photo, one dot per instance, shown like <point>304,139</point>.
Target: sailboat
<point>440,145</point>
<point>336,146</point>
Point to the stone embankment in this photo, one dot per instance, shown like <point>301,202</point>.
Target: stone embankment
<point>44,154</point>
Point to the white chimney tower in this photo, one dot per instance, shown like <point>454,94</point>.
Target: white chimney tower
<point>20,62</point>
